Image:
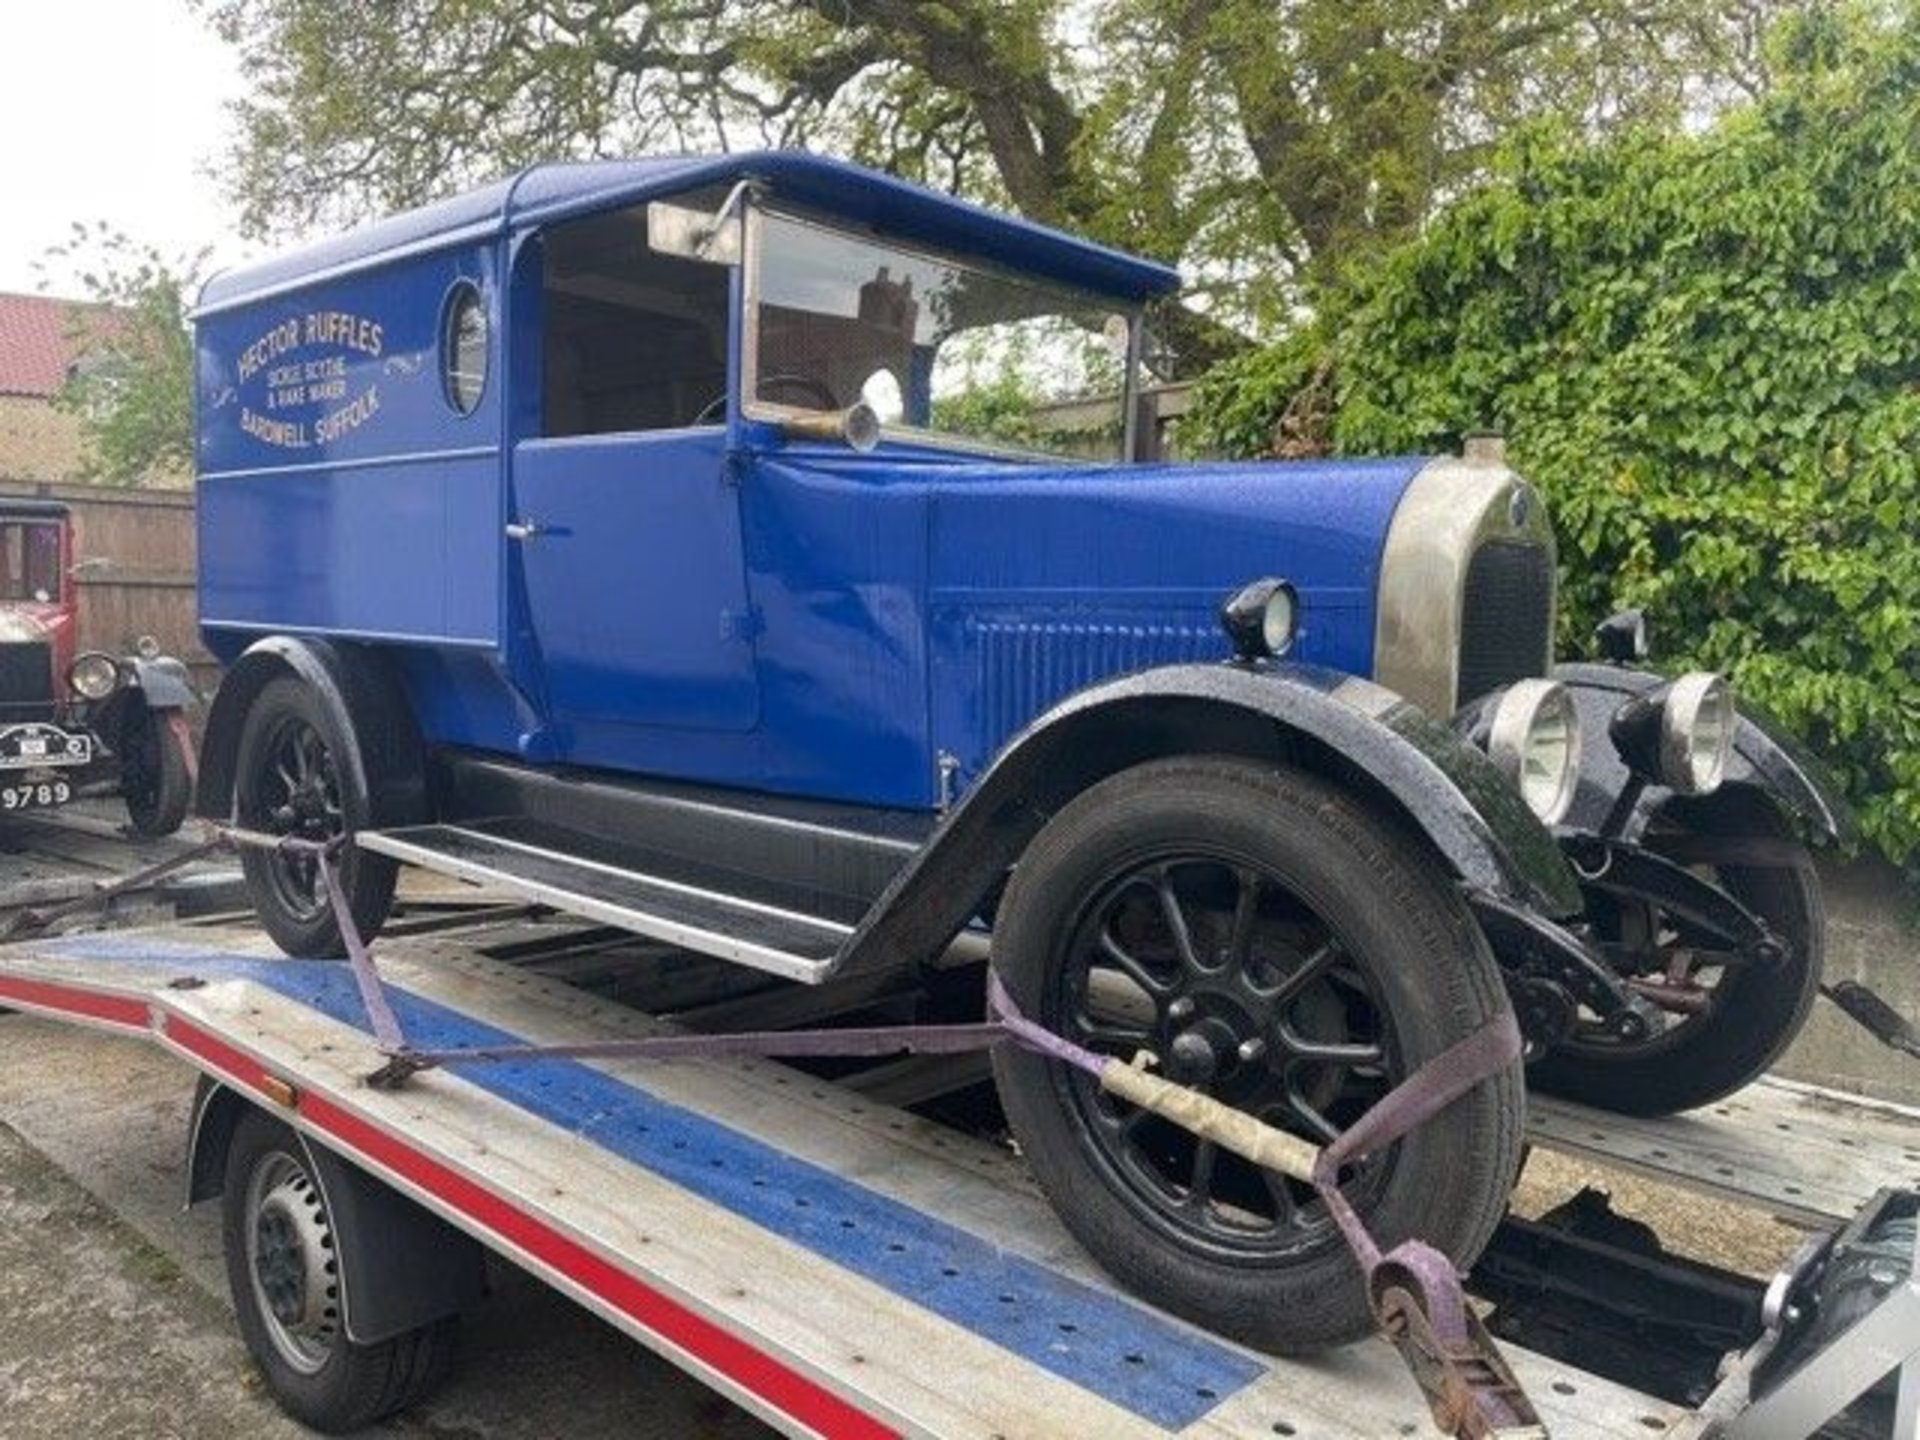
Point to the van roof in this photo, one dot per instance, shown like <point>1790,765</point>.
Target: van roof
<point>544,193</point>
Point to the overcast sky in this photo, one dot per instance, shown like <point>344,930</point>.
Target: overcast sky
<point>110,110</point>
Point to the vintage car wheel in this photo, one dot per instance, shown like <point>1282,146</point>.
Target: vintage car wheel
<point>1287,950</point>
<point>283,1271</point>
<point>289,781</point>
<point>154,780</point>
<point>1751,1012</point>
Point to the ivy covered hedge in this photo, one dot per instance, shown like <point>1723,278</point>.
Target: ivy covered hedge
<point>1706,351</point>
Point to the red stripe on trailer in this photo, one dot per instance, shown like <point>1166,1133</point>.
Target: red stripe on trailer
<point>236,1065</point>
<point>118,1010</point>
<point>780,1386</point>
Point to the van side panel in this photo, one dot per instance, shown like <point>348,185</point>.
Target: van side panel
<point>341,493</point>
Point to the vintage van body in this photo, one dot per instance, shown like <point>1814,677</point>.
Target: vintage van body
<point>663,540</point>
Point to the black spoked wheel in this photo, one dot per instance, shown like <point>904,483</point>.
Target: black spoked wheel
<point>1212,962</point>
<point>294,779</point>
<point>1725,1019</point>
<point>283,1270</point>
<point>1282,949</point>
<point>295,791</point>
<point>153,776</point>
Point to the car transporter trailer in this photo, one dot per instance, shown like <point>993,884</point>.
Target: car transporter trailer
<point>841,1266</point>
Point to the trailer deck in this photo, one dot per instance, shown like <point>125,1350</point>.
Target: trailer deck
<point>833,1263</point>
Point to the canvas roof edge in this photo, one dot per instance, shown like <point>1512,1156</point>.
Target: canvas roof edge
<point>544,193</point>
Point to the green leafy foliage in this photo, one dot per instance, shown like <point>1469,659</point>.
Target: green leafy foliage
<point>1253,141</point>
<point>132,387</point>
<point>1706,350</point>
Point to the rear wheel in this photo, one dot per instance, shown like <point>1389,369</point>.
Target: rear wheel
<point>1288,952</point>
<point>283,1271</point>
<point>293,777</point>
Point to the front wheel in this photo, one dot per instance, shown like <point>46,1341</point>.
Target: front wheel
<point>154,780</point>
<point>283,1271</point>
<point>1283,948</point>
<point>1726,1021</point>
<point>296,776</point>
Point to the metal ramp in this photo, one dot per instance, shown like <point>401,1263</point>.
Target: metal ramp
<point>838,1266</point>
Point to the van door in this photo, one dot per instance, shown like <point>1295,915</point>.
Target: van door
<point>626,525</point>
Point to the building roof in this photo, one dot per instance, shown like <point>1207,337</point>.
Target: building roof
<point>544,193</point>
<point>37,343</point>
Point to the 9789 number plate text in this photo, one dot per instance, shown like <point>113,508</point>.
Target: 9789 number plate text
<point>34,795</point>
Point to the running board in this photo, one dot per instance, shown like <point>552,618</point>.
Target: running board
<point>765,937</point>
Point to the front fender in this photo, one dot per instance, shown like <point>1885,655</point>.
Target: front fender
<point>1441,786</point>
<point>1766,760</point>
<point>163,681</point>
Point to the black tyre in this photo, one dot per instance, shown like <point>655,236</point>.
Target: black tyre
<point>293,777</point>
<point>1751,1013</point>
<point>153,776</point>
<point>1285,949</point>
<point>283,1273</point>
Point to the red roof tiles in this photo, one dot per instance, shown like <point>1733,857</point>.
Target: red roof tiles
<point>37,343</point>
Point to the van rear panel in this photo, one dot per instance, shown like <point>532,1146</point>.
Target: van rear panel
<point>341,490</point>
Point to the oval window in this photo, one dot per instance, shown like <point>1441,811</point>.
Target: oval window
<point>463,348</point>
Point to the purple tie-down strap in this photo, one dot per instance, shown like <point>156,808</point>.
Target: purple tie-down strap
<point>1414,1289</point>
<point>1406,1107</point>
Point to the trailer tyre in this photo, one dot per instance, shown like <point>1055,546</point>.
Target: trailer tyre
<point>1284,948</point>
<point>293,777</point>
<point>285,1281</point>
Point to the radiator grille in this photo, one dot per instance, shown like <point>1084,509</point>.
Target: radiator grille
<point>26,680</point>
<point>1506,616</point>
<point>1026,665</point>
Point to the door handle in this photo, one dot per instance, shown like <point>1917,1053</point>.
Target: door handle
<point>522,530</point>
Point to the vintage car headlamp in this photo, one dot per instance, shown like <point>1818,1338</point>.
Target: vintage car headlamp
<point>1534,739</point>
<point>93,676</point>
<point>1262,619</point>
<point>1679,734</point>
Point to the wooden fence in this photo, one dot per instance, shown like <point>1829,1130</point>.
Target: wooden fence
<point>134,553</point>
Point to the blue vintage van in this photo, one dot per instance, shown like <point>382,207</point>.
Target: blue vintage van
<point>692,544</point>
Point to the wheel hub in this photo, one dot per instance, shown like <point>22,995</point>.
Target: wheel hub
<point>1219,1030</point>
<point>292,1260</point>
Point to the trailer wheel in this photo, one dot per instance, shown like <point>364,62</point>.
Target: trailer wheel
<point>1283,948</point>
<point>154,780</point>
<point>292,779</point>
<point>283,1271</point>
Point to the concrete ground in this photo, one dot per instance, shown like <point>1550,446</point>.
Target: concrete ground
<point>114,1320</point>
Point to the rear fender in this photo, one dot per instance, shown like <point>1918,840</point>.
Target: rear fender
<point>364,702</point>
<point>1438,785</point>
<point>1766,762</point>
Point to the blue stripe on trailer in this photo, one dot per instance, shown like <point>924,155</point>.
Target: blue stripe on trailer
<point>1105,1343</point>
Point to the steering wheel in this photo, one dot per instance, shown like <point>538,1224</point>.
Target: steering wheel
<point>816,390</point>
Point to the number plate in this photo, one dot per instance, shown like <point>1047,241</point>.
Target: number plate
<point>34,795</point>
<point>36,746</point>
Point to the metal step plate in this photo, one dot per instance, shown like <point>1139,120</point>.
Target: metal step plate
<point>783,942</point>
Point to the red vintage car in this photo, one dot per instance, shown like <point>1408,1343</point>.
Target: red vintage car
<point>76,723</point>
